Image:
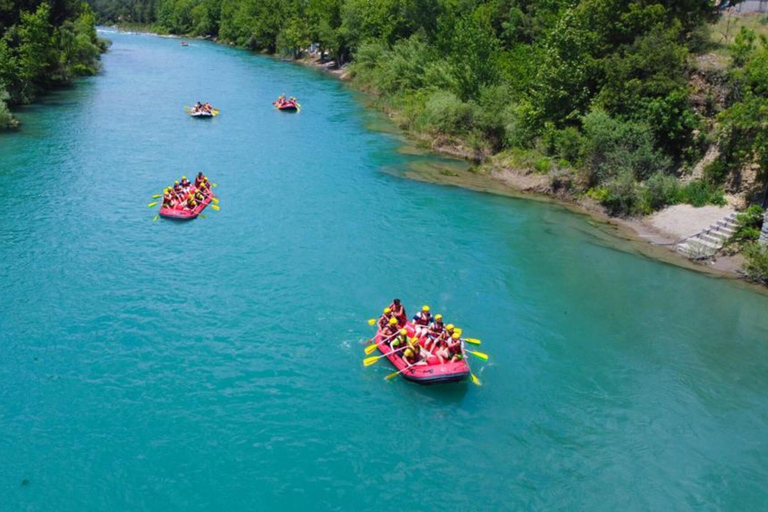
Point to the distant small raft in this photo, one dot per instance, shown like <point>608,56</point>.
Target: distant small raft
<point>288,106</point>
<point>180,213</point>
<point>201,114</point>
<point>432,373</point>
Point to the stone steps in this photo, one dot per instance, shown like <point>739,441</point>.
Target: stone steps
<point>705,244</point>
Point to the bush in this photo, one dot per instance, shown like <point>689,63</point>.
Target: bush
<point>749,224</point>
<point>625,196</point>
<point>446,113</point>
<point>7,120</point>
<point>701,193</point>
<point>716,171</point>
<point>612,146</point>
<point>662,190</point>
<point>756,266</point>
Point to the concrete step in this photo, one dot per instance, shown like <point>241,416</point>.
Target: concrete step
<point>727,231</point>
<point>713,237</point>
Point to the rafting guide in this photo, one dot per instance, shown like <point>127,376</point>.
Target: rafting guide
<point>424,350</point>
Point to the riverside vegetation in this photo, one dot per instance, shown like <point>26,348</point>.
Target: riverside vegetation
<point>43,45</point>
<point>617,101</point>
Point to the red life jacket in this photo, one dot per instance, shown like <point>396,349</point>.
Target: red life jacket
<point>423,318</point>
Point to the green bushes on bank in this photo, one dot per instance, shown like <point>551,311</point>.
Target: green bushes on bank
<point>756,266</point>
<point>44,47</point>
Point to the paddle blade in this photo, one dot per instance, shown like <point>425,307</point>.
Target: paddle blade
<point>217,208</point>
<point>215,185</point>
<point>371,321</point>
<point>370,349</point>
<point>203,216</point>
<point>157,196</point>
<point>150,205</point>
<point>155,218</point>
<point>391,376</point>
<point>473,341</point>
<point>475,380</point>
<point>368,361</point>
<point>480,355</point>
<point>215,201</point>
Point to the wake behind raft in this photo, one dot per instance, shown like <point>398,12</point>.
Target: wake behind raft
<point>424,350</point>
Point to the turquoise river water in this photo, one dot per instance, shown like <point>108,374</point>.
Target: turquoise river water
<point>216,365</point>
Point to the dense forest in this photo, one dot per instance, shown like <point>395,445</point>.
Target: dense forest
<point>43,44</point>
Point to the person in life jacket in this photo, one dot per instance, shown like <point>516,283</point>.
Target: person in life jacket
<point>451,350</point>
<point>384,319</point>
<point>191,203</point>
<point>398,311</point>
<point>199,197</point>
<point>412,354</point>
<point>435,332</point>
<point>200,179</point>
<point>185,182</point>
<point>401,340</point>
<point>168,198</point>
<point>421,320</point>
<point>390,330</point>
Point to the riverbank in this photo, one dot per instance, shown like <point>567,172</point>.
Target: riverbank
<point>659,232</point>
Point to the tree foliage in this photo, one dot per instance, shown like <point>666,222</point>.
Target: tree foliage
<point>43,45</point>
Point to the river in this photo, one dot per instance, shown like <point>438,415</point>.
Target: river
<point>216,365</point>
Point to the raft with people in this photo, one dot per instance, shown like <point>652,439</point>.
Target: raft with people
<point>287,104</point>
<point>186,201</point>
<point>202,110</point>
<point>424,350</point>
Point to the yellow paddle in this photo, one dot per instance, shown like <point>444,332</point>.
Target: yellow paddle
<point>157,196</point>
<point>475,380</point>
<point>473,341</point>
<point>150,205</point>
<point>482,356</point>
<point>371,321</point>
<point>215,207</point>
<point>370,349</point>
<point>368,361</point>
<point>393,375</point>
<point>155,218</point>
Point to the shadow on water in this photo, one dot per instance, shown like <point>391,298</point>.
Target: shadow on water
<point>443,394</point>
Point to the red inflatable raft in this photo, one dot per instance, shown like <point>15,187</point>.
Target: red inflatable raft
<point>288,106</point>
<point>428,372</point>
<point>181,213</point>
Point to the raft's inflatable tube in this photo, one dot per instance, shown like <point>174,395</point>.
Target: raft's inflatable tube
<point>431,373</point>
<point>204,115</point>
<point>180,213</point>
<point>288,106</point>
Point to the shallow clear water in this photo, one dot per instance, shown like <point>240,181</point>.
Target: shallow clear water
<point>216,365</point>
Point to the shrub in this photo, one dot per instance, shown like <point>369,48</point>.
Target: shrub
<point>756,266</point>
<point>543,165</point>
<point>568,144</point>
<point>6,118</point>
<point>612,146</point>
<point>701,193</point>
<point>716,171</point>
<point>625,196</point>
<point>662,190</point>
<point>749,224</point>
<point>446,113</point>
